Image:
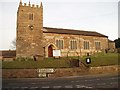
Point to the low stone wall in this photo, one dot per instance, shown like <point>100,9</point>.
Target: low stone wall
<point>33,73</point>
<point>69,72</point>
<point>19,73</point>
<point>104,69</point>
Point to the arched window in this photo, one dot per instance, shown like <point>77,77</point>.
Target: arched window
<point>97,45</point>
<point>73,44</point>
<point>86,45</point>
<point>59,44</point>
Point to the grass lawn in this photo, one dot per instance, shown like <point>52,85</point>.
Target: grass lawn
<point>100,59</point>
<point>36,64</point>
<point>103,59</point>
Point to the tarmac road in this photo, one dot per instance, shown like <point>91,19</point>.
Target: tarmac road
<point>87,81</point>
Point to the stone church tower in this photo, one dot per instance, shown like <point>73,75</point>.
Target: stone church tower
<point>29,30</point>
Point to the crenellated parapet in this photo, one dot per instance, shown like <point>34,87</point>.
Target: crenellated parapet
<point>30,5</point>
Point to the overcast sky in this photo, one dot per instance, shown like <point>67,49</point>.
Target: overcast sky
<point>89,15</point>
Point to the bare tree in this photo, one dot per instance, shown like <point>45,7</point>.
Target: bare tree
<point>13,44</point>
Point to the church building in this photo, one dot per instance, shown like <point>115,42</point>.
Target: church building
<point>34,39</point>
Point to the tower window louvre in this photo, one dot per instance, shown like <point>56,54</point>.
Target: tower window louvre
<point>31,16</point>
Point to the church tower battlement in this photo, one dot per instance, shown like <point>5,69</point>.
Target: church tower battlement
<point>30,5</point>
<point>29,30</point>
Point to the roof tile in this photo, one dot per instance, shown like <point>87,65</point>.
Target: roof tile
<point>72,31</point>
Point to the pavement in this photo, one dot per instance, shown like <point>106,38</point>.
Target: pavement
<point>87,81</point>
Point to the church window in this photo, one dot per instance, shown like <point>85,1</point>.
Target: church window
<point>86,45</point>
<point>31,16</point>
<point>73,44</point>
<point>59,44</point>
<point>97,45</point>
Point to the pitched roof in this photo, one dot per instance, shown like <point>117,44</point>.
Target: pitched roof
<point>110,41</point>
<point>72,31</point>
<point>8,53</point>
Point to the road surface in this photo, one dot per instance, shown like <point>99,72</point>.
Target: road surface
<point>87,81</point>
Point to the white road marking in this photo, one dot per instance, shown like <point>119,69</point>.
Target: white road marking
<point>97,79</point>
<point>33,87</point>
<point>57,86</point>
<point>45,87</point>
<point>16,87</point>
<point>90,80</point>
<point>72,81</point>
<point>90,84</point>
<point>68,86</point>
<point>99,84</point>
<point>111,83</point>
<point>113,78</point>
<point>24,87</point>
<point>82,86</point>
<point>79,86</point>
<point>103,83</point>
<point>88,87</point>
<point>33,83</point>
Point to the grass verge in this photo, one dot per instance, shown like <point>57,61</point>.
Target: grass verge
<point>100,59</point>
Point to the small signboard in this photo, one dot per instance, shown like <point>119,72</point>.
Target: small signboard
<point>49,70</point>
<point>88,60</point>
<point>42,75</point>
<point>45,71</point>
<point>56,53</point>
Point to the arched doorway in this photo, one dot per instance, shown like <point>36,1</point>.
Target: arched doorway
<point>50,51</point>
<point>49,47</point>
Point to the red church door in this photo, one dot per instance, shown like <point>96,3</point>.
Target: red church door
<point>50,51</point>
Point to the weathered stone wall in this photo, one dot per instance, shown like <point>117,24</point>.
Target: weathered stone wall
<point>104,69</point>
<point>111,46</point>
<point>29,39</point>
<point>33,73</point>
<point>52,37</point>
<point>19,73</point>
